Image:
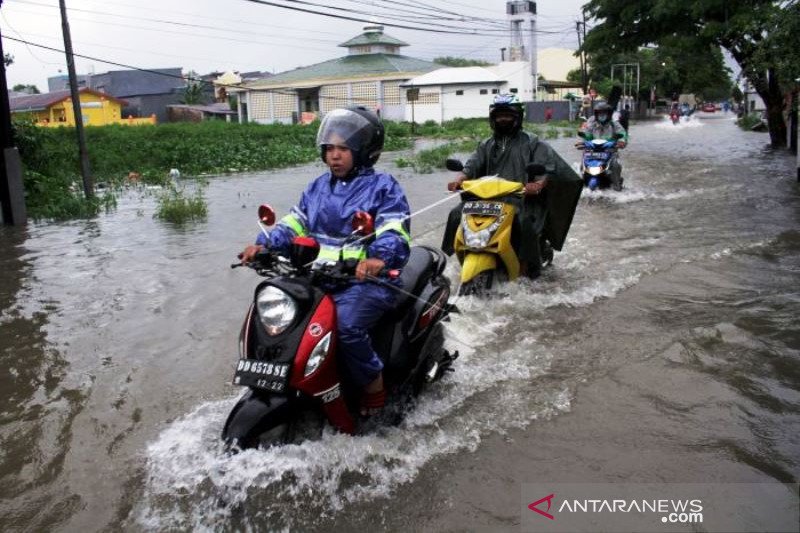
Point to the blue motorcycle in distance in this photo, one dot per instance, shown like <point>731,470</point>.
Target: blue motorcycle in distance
<point>599,162</point>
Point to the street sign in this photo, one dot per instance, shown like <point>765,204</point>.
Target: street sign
<point>412,95</point>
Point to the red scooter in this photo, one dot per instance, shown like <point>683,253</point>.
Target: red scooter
<point>287,344</point>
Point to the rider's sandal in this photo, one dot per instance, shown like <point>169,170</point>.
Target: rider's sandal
<point>372,402</point>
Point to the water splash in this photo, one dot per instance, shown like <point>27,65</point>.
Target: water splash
<point>188,473</point>
<point>685,122</point>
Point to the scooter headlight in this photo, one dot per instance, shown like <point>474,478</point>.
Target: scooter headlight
<point>276,309</point>
<point>477,240</point>
<point>318,355</point>
<point>595,171</point>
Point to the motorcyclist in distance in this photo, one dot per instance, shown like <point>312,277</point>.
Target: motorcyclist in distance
<point>603,126</point>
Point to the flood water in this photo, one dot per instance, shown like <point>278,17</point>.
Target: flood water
<point>662,346</point>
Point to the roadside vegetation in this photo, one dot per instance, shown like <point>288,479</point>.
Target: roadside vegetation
<point>121,155</point>
<point>749,121</point>
<point>177,206</point>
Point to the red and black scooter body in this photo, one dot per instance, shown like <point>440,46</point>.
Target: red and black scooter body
<point>297,370</point>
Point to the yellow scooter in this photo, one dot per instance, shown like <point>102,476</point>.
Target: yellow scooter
<point>484,242</point>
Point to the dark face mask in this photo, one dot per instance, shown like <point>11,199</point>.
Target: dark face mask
<point>504,124</point>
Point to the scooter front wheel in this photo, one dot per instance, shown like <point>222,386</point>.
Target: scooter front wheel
<point>480,285</point>
<point>257,421</point>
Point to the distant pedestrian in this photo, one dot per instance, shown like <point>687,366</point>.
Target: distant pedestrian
<point>625,116</point>
<point>548,114</point>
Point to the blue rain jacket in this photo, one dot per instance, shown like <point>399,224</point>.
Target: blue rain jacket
<point>326,210</point>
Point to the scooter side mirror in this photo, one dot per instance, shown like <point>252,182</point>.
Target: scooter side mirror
<point>535,169</point>
<point>582,135</point>
<point>454,165</point>
<point>363,223</point>
<point>266,215</point>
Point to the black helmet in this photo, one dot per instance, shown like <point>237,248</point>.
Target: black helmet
<point>603,108</point>
<point>509,103</point>
<point>356,127</point>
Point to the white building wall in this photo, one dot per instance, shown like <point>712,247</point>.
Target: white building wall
<point>517,75</point>
<point>455,101</point>
<point>393,108</point>
<point>754,102</point>
<point>472,102</point>
<point>428,107</point>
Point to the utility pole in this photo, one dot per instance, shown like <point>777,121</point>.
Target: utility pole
<point>88,185</point>
<point>12,191</point>
<point>580,55</point>
<point>580,28</point>
<point>585,62</point>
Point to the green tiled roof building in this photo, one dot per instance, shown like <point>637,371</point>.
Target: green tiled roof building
<point>369,75</point>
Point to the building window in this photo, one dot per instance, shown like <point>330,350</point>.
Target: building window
<point>514,90</point>
<point>484,91</point>
<point>495,91</point>
<point>459,93</point>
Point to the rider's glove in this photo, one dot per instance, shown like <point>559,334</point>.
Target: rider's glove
<point>455,185</point>
<point>534,188</point>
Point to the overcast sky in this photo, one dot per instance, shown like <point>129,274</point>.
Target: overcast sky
<point>220,35</point>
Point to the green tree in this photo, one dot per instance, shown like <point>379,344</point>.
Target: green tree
<point>23,88</point>
<point>736,94</point>
<point>460,62</point>
<point>748,29</point>
<point>677,65</point>
<point>193,92</point>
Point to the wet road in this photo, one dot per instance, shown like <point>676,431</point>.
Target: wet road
<point>662,347</point>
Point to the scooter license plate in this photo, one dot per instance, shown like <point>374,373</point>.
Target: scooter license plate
<point>483,208</point>
<point>599,155</point>
<point>262,375</point>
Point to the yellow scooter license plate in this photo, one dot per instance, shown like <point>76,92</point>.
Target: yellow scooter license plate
<point>483,208</point>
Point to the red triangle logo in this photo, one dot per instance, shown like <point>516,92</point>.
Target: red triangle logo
<point>547,499</point>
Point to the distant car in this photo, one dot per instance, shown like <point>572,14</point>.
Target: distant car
<point>708,107</point>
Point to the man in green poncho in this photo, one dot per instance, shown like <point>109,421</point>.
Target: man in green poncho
<point>506,154</point>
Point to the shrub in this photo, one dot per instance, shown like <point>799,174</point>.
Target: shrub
<point>748,121</point>
<point>175,206</point>
<point>54,198</point>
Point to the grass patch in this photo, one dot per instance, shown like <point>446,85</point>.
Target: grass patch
<point>176,206</point>
<point>748,121</point>
<point>426,161</point>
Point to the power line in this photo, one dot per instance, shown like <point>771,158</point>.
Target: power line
<point>37,58</point>
<point>196,35</point>
<point>236,21</point>
<point>162,21</point>
<point>459,16</point>
<point>391,24</point>
<point>137,50</point>
<point>346,10</point>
